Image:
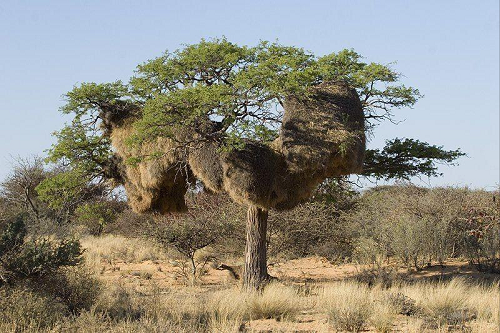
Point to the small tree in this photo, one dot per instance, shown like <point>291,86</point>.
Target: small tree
<point>19,189</point>
<point>96,216</point>
<point>192,232</point>
<point>33,188</point>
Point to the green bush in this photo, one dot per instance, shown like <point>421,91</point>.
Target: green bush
<point>27,258</point>
<point>95,216</point>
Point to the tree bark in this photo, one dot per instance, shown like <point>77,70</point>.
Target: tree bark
<point>193,270</point>
<point>255,274</point>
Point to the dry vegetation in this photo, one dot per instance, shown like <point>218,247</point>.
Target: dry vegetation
<point>345,266</point>
<point>138,303</point>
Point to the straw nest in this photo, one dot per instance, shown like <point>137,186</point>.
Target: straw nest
<point>322,136</point>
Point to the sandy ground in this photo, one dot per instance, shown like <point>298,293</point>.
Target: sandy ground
<point>313,270</point>
<point>304,270</point>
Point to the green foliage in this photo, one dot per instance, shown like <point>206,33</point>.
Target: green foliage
<point>242,89</point>
<point>88,98</point>
<point>67,189</point>
<point>13,234</point>
<point>95,216</point>
<point>81,145</point>
<point>79,148</point>
<point>62,188</point>
<point>377,84</point>
<point>23,258</point>
<point>49,195</point>
<point>406,158</point>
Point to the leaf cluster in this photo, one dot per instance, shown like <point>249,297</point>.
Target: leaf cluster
<point>406,158</point>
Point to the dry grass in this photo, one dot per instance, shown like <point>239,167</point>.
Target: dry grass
<point>22,310</point>
<point>277,302</point>
<point>383,318</point>
<point>445,303</point>
<point>456,303</point>
<point>485,301</point>
<point>229,305</point>
<point>348,305</point>
<point>110,248</point>
<point>344,305</point>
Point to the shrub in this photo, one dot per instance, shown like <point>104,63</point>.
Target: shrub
<point>47,271</point>
<point>483,246</point>
<point>96,216</point>
<point>383,276</point>
<point>18,189</point>
<point>313,228</point>
<point>24,310</point>
<point>419,225</point>
<point>402,304</point>
<point>128,224</point>
<point>75,287</point>
<point>28,258</point>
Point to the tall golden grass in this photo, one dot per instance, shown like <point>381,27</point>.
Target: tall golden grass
<point>457,304</point>
<point>346,306</point>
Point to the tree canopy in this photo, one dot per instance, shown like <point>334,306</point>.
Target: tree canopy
<point>241,88</point>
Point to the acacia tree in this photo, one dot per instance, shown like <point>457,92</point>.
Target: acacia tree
<point>218,106</point>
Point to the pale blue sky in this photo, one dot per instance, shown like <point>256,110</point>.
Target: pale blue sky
<point>447,49</point>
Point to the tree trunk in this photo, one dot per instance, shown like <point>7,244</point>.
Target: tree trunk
<point>255,274</point>
<point>193,270</point>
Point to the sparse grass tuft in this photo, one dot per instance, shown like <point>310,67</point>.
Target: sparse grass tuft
<point>348,305</point>
<point>276,301</point>
<point>229,304</point>
<point>443,303</point>
<point>383,317</point>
